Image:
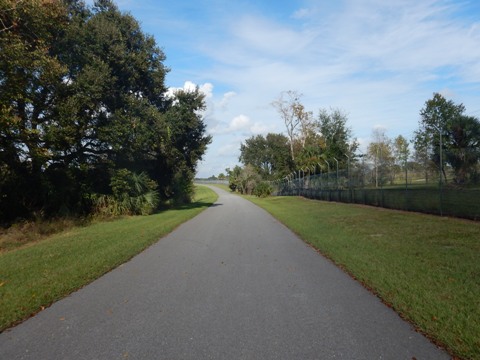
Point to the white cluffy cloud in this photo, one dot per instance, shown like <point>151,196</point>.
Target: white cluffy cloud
<point>226,99</point>
<point>206,89</point>
<point>242,125</point>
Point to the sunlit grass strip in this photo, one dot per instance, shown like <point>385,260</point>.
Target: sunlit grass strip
<point>37,275</point>
<point>426,267</point>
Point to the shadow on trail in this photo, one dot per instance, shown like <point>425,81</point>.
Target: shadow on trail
<point>195,205</point>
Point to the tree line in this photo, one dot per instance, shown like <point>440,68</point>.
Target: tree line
<point>447,140</point>
<point>86,125</point>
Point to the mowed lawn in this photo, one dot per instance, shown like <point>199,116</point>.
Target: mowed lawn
<point>426,267</point>
<point>36,275</point>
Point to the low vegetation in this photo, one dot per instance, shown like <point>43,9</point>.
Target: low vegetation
<point>427,268</point>
<point>39,273</point>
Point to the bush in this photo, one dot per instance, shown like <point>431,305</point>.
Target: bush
<point>133,194</point>
<point>262,190</point>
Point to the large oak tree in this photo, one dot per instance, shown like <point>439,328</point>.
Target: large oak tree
<point>82,96</point>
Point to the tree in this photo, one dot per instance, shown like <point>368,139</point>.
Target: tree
<point>423,156</point>
<point>248,180</point>
<point>268,155</point>
<point>291,111</point>
<point>380,152</point>
<point>337,138</point>
<point>186,143</point>
<point>234,177</point>
<point>306,128</point>
<point>464,151</point>
<point>29,77</point>
<point>401,153</point>
<point>108,114</point>
<point>460,136</point>
<point>82,97</point>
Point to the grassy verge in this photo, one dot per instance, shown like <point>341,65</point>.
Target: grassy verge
<point>38,274</point>
<point>427,268</point>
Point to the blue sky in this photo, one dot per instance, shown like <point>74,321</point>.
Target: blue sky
<point>377,60</point>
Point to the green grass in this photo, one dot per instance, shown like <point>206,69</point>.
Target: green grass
<point>426,267</point>
<point>38,274</point>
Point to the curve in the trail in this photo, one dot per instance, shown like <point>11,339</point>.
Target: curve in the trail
<point>232,283</point>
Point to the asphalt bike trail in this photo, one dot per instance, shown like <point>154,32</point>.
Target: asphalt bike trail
<point>232,283</point>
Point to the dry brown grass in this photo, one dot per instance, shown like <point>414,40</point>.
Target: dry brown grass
<point>27,232</point>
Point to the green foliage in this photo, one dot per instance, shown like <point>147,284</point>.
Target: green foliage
<point>182,188</point>
<point>248,180</point>
<point>380,151</point>
<point>82,95</point>
<point>263,189</point>
<point>132,194</point>
<point>464,152</point>
<point>311,142</point>
<point>269,155</point>
<point>244,180</point>
<point>233,176</point>
<point>460,137</point>
<point>29,76</point>
<point>336,135</point>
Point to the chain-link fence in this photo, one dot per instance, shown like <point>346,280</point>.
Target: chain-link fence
<point>372,187</point>
<point>208,181</point>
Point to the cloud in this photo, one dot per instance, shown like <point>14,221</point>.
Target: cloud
<point>226,99</point>
<point>243,125</point>
<point>207,90</point>
<point>301,13</point>
<point>228,149</point>
<point>259,128</point>
<point>189,86</point>
<point>241,122</point>
<point>377,60</point>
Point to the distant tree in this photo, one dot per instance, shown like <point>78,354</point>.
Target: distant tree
<point>423,157</point>
<point>243,179</point>
<point>460,136</point>
<point>337,137</point>
<point>291,111</point>
<point>464,150</point>
<point>381,153</point>
<point>234,177</point>
<point>269,155</point>
<point>401,152</point>
<point>306,124</point>
<point>248,180</point>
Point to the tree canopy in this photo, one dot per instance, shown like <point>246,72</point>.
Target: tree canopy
<point>82,96</point>
<point>460,137</point>
<point>269,155</point>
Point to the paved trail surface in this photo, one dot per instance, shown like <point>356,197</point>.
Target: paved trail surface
<point>233,283</point>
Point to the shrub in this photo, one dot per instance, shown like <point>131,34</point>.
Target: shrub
<point>262,190</point>
<point>133,194</point>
